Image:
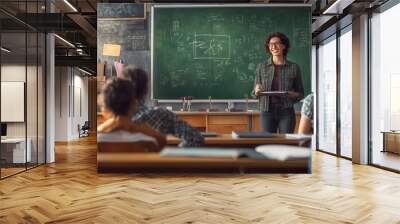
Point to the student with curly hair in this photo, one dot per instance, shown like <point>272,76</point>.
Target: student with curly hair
<point>119,105</point>
<point>163,120</point>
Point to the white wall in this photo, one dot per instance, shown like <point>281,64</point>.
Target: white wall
<point>80,101</point>
<point>71,102</point>
<point>61,103</point>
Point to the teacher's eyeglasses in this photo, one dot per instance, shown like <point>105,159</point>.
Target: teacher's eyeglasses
<point>275,44</point>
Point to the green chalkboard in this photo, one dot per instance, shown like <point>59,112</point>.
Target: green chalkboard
<point>214,51</point>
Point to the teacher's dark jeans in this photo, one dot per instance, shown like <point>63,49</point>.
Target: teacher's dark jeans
<point>278,118</point>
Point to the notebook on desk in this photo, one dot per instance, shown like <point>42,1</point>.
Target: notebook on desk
<point>234,153</point>
<point>250,134</point>
<point>209,134</point>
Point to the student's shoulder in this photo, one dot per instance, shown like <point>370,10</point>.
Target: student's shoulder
<point>160,113</point>
<point>309,99</point>
<point>308,105</point>
<point>161,110</point>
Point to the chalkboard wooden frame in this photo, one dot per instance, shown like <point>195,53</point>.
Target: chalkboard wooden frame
<point>153,6</point>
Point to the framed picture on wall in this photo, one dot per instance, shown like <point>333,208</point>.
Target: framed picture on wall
<point>12,101</point>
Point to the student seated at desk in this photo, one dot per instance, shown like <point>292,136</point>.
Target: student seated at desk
<point>159,118</point>
<point>119,105</point>
<point>307,115</point>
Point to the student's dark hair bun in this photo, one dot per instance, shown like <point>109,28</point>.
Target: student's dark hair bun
<point>139,78</point>
<point>118,95</point>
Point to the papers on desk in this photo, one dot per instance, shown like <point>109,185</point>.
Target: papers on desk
<point>298,136</point>
<point>249,134</point>
<point>233,153</point>
<point>284,152</point>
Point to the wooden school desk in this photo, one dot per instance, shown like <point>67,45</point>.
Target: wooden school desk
<point>226,140</point>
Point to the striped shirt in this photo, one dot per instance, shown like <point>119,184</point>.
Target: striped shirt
<point>308,108</point>
<point>166,122</point>
<point>289,80</point>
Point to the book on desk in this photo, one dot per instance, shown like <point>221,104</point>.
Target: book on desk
<point>234,153</point>
<point>250,134</point>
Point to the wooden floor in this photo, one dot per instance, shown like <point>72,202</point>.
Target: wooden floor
<point>10,171</point>
<point>71,191</point>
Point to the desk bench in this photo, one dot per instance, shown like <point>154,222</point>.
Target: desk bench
<point>153,162</point>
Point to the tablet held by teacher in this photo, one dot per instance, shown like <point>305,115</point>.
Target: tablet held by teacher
<point>283,77</point>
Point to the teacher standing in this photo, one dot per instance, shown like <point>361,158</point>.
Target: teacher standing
<point>278,74</point>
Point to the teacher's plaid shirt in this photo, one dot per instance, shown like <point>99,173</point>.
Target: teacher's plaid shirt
<point>166,122</point>
<point>289,80</point>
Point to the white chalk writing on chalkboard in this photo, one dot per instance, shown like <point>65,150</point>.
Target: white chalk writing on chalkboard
<point>120,10</point>
<point>238,19</point>
<point>175,31</point>
<point>176,79</point>
<point>138,42</point>
<point>211,46</point>
<point>300,37</point>
<point>175,25</point>
<point>215,18</point>
<point>135,25</point>
<point>108,28</point>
